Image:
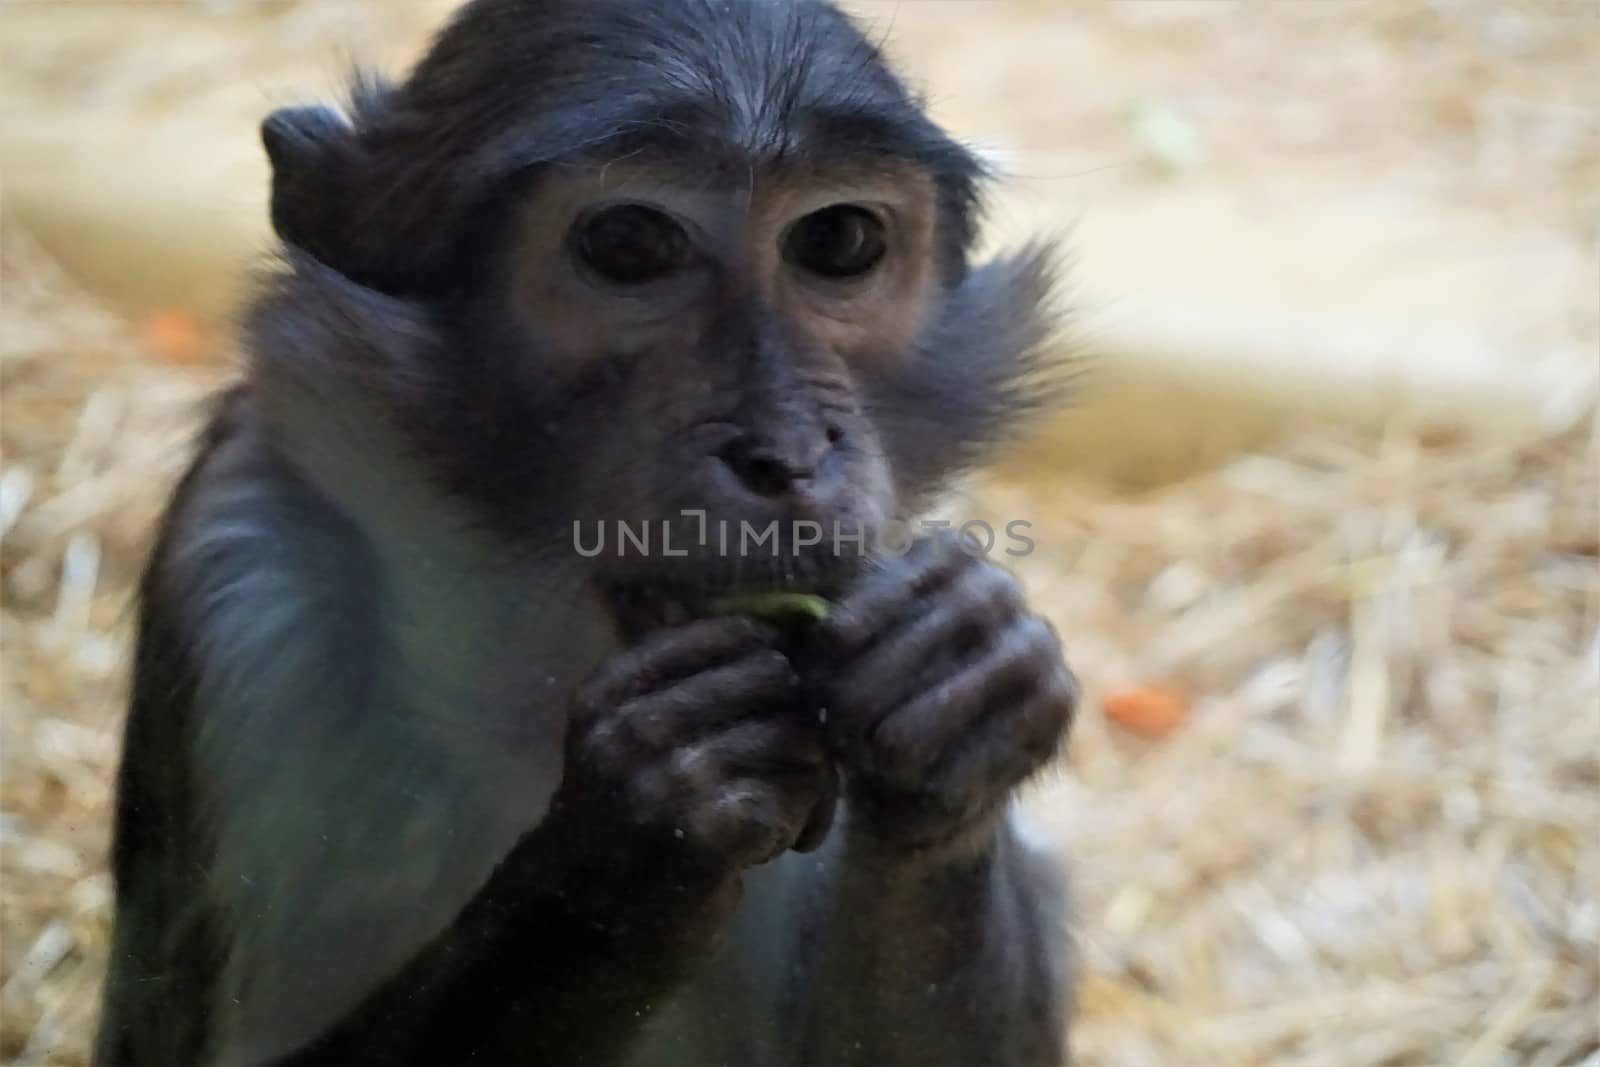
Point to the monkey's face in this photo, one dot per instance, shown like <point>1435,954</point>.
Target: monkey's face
<point>699,268</point>
<point>725,336</point>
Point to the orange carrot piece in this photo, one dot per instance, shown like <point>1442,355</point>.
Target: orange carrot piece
<point>177,336</point>
<point>1147,710</point>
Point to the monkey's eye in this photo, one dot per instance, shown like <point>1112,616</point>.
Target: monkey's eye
<point>631,244</point>
<point>843,241</point>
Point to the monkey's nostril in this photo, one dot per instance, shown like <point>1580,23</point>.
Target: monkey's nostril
<point>766,476</point>
<point>762,472</point>
<point>835,435</point>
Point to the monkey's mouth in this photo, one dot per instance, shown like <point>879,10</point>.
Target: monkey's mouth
<point>641,604</point>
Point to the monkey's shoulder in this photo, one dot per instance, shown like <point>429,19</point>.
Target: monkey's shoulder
<point>293,711</point>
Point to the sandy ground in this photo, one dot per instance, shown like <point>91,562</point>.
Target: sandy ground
<point>1330,482</point>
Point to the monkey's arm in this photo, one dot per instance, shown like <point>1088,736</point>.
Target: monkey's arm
<point>677,777</point>
<point>541,962</point>
<point>940,932</point>
<point>559,959</point>
<point>163,944</point>
<point>952,962</point>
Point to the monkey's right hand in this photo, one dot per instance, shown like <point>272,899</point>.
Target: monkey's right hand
<point>687,753</point>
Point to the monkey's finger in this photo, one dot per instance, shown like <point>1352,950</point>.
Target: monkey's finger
<point>741,826</point>
<point>820,821</point>
<point>750,820</point>
<point>669,655</point>
<point>690,707</point>
<point>785,755</point>
<point>1007,750</point>
<point>958,626</point>
<point>907,743</point>
<point>888,594</point>
<point>766,746</point>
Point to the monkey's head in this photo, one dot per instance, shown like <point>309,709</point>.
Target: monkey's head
<point>700,263</point>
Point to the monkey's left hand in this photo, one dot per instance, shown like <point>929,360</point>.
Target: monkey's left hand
<point>942,694</point>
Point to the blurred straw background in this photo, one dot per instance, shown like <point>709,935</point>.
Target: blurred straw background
<point>1321,532</point>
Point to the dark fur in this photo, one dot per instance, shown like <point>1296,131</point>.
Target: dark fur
<point>165,948</point>
<point>396,226</point>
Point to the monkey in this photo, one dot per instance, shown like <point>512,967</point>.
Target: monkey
<point>409,775</point>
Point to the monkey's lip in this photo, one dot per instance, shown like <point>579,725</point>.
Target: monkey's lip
<point>646,604</point>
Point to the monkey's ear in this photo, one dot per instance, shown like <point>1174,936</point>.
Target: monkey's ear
<point>294,135</point>
<point>314,156</point>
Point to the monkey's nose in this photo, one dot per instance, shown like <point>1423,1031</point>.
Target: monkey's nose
<point>767,470</point>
